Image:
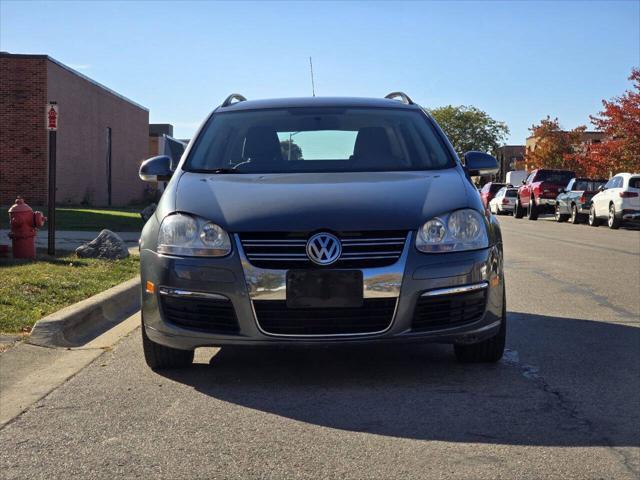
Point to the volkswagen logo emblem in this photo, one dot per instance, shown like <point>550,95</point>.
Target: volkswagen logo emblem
<point>324,248</point>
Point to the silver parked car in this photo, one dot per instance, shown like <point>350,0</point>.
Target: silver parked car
<point>504,201</point>
<point>319,221</point>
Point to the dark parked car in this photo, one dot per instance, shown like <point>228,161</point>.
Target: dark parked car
<point>370,232</point>
<point>574,201</point>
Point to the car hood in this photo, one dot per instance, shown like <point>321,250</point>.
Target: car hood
<point>310,201</point>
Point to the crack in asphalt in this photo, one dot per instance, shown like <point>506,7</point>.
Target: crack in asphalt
<point>588,246</point>
<point>566,407</point>
<point>579,289</point>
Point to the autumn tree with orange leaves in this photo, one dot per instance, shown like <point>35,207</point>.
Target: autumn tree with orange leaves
<point>554,147</point>
<point>620,121</point>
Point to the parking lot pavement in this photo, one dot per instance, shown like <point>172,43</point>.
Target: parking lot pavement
<point>562,404</point>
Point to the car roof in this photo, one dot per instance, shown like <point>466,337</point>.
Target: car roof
<point>627,175</point>
<point>302,102</point>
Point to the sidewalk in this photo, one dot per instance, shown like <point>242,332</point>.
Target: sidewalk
<point>71,239</point>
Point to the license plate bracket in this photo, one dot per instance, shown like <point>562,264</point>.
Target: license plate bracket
<point>325,289</point>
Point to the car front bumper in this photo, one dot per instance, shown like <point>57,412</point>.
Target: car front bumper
<point>413,278</point>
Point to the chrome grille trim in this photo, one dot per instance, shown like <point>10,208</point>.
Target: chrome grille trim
<point>271,283</point>
<point>358,250</point>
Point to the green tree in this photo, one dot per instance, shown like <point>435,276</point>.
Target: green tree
<point>469,128</point>
<point>296,151</point>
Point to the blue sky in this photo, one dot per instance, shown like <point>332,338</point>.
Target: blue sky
<point>519,61</point>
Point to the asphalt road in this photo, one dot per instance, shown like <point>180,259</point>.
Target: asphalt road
<point>564,403</point>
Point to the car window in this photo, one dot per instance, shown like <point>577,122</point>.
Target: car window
<point>587,185</point>
<point>319,140</point>
<point>634,182</point>
<point>616,182</point>
<point>495,187</point>
<point>559,177</point>
<point>512,192</point>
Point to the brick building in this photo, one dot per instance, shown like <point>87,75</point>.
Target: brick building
<point>510,157</point>
<point>99,132</point>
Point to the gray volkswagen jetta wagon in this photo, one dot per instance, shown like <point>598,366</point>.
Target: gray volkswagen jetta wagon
<point>319,221</point>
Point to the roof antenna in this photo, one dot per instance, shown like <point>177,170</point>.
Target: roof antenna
<point>313,86</point>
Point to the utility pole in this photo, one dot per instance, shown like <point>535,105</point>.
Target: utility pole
<point>51,122</point>
<point>313,86</point>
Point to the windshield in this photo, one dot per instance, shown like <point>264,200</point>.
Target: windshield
<point>512,193</point>
<point>318,140</point>
<point>559,177</point>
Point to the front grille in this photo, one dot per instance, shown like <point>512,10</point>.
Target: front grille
<point>288,250</point>
<point>442,311</point>
<point>274,317</point>
<point>207,315</point>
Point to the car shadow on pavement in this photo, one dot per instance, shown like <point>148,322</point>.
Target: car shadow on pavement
<point>563,382</point>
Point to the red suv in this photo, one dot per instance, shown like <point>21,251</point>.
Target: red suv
<point>538,192</point>
<point>489,191</point>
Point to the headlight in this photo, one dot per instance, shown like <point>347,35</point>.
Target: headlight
<point>454,232</point>
<point>182,234</point>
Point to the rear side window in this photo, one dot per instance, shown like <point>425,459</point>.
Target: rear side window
<point>495,187</point>
<point>634,182</point>
<point>319,140</point>
<point>559,177</point>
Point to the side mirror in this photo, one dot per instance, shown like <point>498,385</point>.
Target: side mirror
<point>561,190</point>
<point>479,164</point>
<point>524,181</point>
<point>156,169</point>
<point>602,188</point>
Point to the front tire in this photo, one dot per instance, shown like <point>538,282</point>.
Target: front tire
<point>159,357</point>
<point>613,221</point>
<point>489,350</point>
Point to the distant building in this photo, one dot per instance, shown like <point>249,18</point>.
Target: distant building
<point>161,142</point>
<point>588,138</point>
<point>102,136</point>
<point>510,157</point>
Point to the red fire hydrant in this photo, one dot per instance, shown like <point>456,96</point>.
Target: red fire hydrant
<point>24,224</point>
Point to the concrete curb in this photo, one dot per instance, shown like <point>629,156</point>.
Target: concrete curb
<point>79,323</point>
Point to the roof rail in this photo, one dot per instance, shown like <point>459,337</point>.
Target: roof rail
<point>403,96</point>
<point>234,96</point>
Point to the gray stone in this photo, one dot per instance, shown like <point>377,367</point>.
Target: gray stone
<point>108,245</point>
<point>148,211</point>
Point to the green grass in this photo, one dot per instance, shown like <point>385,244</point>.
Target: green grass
<point>117,220</point>
<point>30,290</point>
<point>93,219</point>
